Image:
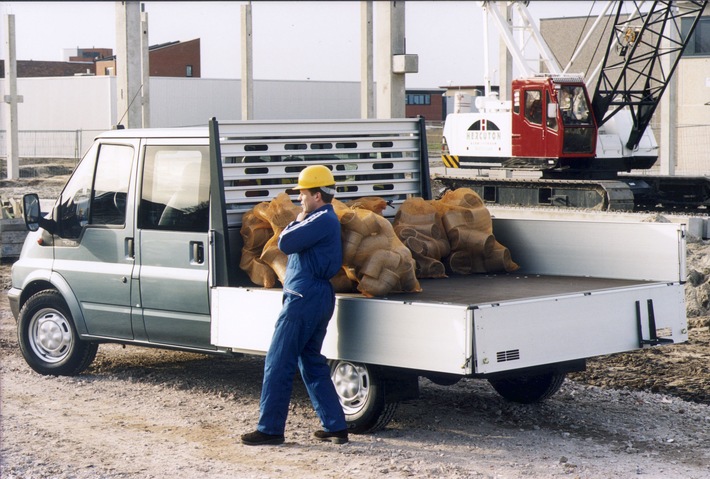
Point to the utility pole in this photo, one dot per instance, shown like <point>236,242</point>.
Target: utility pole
<point>128,64</point>
<point>247,81</point>
<point>11,99</point>
<point>392,61</point>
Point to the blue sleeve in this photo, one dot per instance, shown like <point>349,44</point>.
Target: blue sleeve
<point>302,234</point>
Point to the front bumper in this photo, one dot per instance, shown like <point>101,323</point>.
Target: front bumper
<point>13,296</point>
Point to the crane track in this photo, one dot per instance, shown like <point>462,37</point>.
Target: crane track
<point>646,194</point>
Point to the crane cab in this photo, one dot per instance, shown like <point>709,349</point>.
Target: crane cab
<point>552,122</point>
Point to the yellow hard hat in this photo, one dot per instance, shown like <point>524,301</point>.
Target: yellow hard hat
<point>316,176</point>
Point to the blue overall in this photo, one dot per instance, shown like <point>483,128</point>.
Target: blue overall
<point>314,256</point>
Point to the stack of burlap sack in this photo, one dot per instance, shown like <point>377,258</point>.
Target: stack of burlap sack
<point>451,235</point>
<point>427,240</point>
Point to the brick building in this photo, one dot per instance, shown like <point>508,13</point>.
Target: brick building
<point>428,103</point>
<point>89,54</point>
<point>173,59</point>
<point>34,68</point>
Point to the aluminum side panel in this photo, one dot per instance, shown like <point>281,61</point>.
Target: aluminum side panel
<point>636,251</point>
<point>520,334</point>
<point>432,337</point>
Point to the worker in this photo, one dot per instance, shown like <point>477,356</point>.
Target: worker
<point>312,243</point>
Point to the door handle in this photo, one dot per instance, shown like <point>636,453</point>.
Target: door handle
<point>197,252</point>
<point>130,248</point>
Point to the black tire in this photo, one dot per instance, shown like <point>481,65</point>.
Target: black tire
<point>528,389</point>
<point>362,395</point>
<point>48,339</point>
<point>444,379</point>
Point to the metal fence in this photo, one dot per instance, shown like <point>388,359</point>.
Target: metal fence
<point>693,150</point>
<point>38,144</point>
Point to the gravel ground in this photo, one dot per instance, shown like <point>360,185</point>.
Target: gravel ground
<point>146,413</point>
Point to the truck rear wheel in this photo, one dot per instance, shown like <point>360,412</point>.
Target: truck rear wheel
<point>48,339</point>
<point>528,389</point>
<point>362,394</point>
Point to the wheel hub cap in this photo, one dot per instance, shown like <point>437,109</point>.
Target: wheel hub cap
<point>51,337</point>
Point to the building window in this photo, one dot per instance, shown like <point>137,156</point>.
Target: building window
<point>188,70</point>
<point>418,99</point>
<point>699,43</point>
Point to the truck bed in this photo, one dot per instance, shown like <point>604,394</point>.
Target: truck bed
<point>584,289</point>
<point>486,288</point>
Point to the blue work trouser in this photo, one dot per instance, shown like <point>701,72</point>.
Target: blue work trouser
<point>298,337</point>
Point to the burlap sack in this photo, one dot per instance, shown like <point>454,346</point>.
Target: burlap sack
<point>381,263</point>
<point>371,203</point>
<point>456,230</point>
<point>275,258</point>
<point>280,212</point>
<point>469,227</point>
<point>256,232</point>
<point>375,262</point>
<point>420,228</point>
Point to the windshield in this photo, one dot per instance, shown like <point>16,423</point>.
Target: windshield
<point>573,105</point>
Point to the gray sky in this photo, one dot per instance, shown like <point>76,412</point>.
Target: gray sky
<point>292,40</point>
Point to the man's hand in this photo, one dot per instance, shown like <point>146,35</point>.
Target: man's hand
<point>301,216</point>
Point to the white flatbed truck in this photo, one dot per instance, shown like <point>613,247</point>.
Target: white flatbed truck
<point>164,273</point>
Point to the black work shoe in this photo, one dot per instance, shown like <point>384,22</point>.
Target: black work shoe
<point>337,437</point>
<point>258,438</point>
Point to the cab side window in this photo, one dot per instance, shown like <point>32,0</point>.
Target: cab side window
<point>105,171</point>
<point>533,106</point>
<point>113,172</point>
<point>175,192</point>
<point>551,120</point>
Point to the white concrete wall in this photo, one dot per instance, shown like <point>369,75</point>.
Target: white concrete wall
<point>282,100</point>
<point>65,103</point>
<point>192,101</point>
<point>89,103</point>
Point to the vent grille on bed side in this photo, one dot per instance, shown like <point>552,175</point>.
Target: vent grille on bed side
<point>512,355</point>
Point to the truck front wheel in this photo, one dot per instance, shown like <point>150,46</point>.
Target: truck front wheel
<point>528,389</point>
<point>362,394</point>
<point>48,339</point>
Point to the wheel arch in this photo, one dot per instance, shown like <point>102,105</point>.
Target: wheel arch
<point>44,280</point>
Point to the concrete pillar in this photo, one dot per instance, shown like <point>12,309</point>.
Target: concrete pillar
<point>128,64</point>
<point>145,69</point>
<point>367,79</point>
<point>392,61</point>
<point>10,101</point>
<point>505,62</point>
<point>247,65</point>
<point>669,109</point>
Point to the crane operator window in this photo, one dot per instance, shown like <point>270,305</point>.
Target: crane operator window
<point>573,105</point>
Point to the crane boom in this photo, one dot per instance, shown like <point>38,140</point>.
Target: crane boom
<point>632,74</point>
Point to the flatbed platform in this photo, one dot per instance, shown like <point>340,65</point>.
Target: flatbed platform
<point>494,288</point>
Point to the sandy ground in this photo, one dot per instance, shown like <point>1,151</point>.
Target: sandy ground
<point>145,413</point>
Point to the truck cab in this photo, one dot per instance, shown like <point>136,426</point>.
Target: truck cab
<point>125,243</point>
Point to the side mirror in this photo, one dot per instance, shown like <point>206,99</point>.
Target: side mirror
<point>33,215</point>
<point>31,209</point>
<point>552,110</point>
